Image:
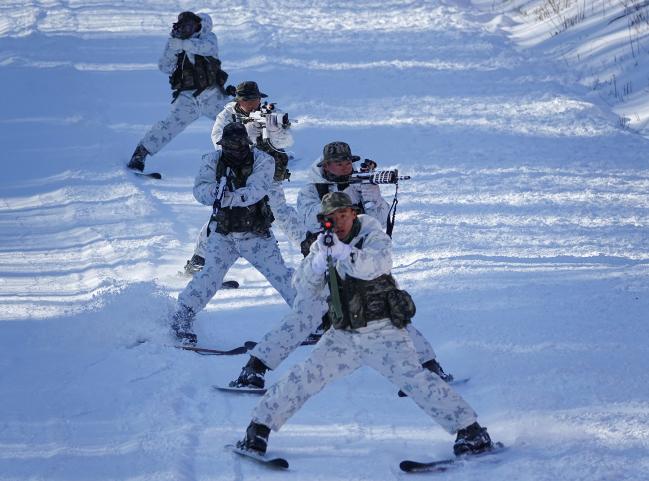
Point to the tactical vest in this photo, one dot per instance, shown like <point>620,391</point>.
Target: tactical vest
<point>366,301</point>
<point>256,218</point>
<point>204,73</point>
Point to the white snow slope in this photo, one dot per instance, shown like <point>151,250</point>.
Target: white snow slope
<point>523,237</point>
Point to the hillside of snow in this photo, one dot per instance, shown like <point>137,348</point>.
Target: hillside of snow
<point>600,44</point>
<point>523,237</point>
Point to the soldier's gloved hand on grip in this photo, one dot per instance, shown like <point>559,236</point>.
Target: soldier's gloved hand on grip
<point>254,131</point>
<point>176,44</point>
<point>368,165</point>
<point>272,123</point>
<point>339,250</point>
<point>226,200</point>
<point>370,193</point>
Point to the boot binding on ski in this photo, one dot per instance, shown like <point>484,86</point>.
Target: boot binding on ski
<point>256,438</point>
<point>473,439</point>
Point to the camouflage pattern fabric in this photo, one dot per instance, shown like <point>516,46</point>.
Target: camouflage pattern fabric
<point>312,291</point>
<point>304,318</point>
<point>185,110</point>
<point>308,200</point>
<point>380,346</point>
<point>337,151</point>
<point>285,218</point>
<point>222,252</point>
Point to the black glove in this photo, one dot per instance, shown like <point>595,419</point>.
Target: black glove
<point>368,165</point>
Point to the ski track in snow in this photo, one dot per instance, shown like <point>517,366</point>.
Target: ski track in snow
<point>523,237</point>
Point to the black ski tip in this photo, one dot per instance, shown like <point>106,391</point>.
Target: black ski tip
<point>214,352</point>
<point>240,390</point>
<point>280,463</point>
<point>416,466</point>
<point>250,345</point>
<point>149,175</point>
<point>450,463</point>
<point>230,285</point>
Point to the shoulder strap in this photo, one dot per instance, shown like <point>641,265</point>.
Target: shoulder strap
<point>322,190</point>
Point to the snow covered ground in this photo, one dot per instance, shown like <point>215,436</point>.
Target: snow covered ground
<point>523,236</point>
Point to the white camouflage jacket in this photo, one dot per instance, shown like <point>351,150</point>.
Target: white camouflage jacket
<point>371,261</point>
<point>308,200</point>
<point>257,185</point>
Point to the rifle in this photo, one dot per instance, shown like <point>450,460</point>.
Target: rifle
<point>377,177</point>
<point>334,292</point>
<point>265,115</point>
<point>216,207</point>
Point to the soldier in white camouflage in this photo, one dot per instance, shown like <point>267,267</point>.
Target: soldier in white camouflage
<point>349,269</point>
<point>248,100</point>
<point>306,315</point>
<point>191,59</point>
<point>240,227</point>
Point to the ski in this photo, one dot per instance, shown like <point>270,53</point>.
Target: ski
<point>454,382</point>
<point>149,175</point>
<point>446,464</point>
<point>203,351</point>
<point>279,463</point>
<point>244,390</point>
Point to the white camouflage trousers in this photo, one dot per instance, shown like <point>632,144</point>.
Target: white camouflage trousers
<point>303,319</point>
<point>381,346</point>
<point>185,110</point>
<point>285,218</point>
<point>222,252</point>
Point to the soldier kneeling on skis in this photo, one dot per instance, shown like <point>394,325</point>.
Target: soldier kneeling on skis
<point>350,269</point>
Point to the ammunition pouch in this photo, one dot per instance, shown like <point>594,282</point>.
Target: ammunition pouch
<point>204,73</point>
<point>280,157</point>
<point>402,307</point>
<point>256,218</point>
<point>366,301</point>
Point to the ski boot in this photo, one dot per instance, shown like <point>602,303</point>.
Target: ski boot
<point>137,159</point>
<point>194,265</point>
<point>473,439</point>
<point>433,366</point>
<point>252,375</point>
<point>181,325</point>
<point>256,438</point>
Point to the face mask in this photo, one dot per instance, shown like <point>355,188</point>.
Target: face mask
<point>235,151</point>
